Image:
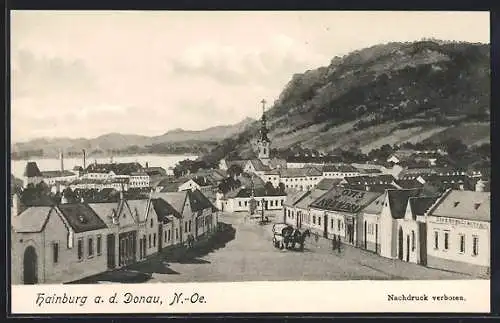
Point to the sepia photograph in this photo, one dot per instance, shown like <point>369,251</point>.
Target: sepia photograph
<point>173,147</point>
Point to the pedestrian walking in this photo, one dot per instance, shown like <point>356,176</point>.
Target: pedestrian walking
<point>338,245</point>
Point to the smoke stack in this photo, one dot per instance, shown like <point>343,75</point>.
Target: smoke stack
<point>61,158</point>
<point>84,157</point>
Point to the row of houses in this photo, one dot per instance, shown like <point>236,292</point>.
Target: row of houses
<point>69,241</point>
<point>450,231</point>
<point>120,176</point>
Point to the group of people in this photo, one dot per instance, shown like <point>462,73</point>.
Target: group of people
<point>336,243</point>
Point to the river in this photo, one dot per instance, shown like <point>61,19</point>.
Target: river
<point>45,164</point>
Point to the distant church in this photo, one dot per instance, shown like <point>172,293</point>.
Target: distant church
<point>262,149</point>
<point>263,143</point>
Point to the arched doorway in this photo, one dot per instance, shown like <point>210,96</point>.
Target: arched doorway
<point>400,244</point>
<point>407,248</point>
<point>365,235</point>
<point>30,266</point>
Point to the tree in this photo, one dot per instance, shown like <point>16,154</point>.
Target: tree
<point>269,188</point>
<point>234,170</point>
<point>455,147</point>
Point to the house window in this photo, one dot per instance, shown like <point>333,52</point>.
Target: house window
<point>189,225</point>
<point>239,203</point>
<point>151,223</point>
<point>185,227</point>
<point>314,219</point>
<point>338,224</point>
<point>475,245</point>
<point>149,240</point>
<point>288,213</point>
<point>446,234</point>
<point>99,245</point>
<point>177,234</point>
<point>412,240</point>
<point>319,220</point>
<point>91,247</point>
<point>165,236</point>
<point>462,243</point>
<point>281,202</point>
<point>154,240</point>
<point>436,240</point>
<point>331,223</point>
<point>55,252</point>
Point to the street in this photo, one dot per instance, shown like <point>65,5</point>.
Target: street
<point>249,255</point>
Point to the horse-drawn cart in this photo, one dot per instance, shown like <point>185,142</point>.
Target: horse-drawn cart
<point>285,236</point>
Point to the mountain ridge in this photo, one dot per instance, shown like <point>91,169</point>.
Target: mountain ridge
<point>387,93</point>
<point>117,143</point>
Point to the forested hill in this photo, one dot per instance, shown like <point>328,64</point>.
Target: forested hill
<point>391,93</point>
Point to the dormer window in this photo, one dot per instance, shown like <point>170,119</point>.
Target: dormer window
<point>82,219</point>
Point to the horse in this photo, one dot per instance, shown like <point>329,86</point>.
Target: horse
<point>297,237</point>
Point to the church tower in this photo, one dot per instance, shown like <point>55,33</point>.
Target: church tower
<point>263,143</point>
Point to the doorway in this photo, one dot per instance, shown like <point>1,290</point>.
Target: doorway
<point>325,226</point>
<point>111,250</point>
<point>400,243</point>
<point>30,266</point>
<point>407,248</point>
<point>365,236</point>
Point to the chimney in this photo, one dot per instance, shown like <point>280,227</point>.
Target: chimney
<point>147,165</point>
<point>61,158</point>
<point>84,157</point>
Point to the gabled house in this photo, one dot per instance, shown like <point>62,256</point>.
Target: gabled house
<point>183,227</point>
<point>290,214</point>
<point>54,244</point>
<point>412,230</point>
<point>255,166</point>
<point>149,236</point>
<point>302,211</point>
<point>123,223</point>
<point>201,183</point>
<point>205,220</point>
<point>458,232</point>
<point>301,178</point>
<point>390,208</point>
<point>337,213</point>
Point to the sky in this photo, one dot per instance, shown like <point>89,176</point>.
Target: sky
<point>87,73</point>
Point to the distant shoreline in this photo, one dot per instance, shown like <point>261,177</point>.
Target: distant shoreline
<point>103,156</point>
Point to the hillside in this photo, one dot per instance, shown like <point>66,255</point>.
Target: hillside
<point>390,93</point>
<point>174,141</point>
